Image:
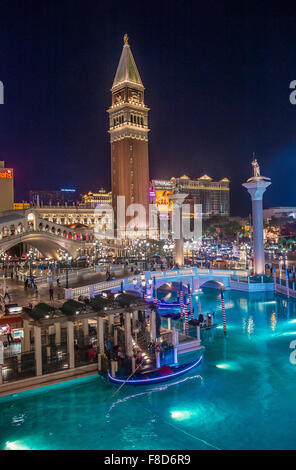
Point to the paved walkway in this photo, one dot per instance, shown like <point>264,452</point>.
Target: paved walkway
<point>24,297</point>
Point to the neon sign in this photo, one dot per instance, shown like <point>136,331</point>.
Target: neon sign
<point>7,174</point>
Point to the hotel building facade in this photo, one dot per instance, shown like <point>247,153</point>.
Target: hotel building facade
<point>212,195</point>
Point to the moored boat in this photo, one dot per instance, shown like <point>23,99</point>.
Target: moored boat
<point>160,375</point>
<point>173,316</point>
<point>172,305</point>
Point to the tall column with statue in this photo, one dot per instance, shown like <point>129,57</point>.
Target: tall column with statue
<point>256,186</point>
<point>178,198</point>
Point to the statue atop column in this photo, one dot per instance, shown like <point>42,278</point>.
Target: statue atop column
<point>256,171</point>
<point>178,189</point>
<point>256,168</point>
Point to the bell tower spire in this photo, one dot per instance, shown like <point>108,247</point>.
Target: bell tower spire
<point>128,129</point>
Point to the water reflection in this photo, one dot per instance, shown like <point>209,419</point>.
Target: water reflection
<point>152,390</point>
<point>273,321</point>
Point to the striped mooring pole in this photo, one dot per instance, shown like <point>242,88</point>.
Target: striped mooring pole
<point>186,317</point>
<point>154,292</point>
<point>287,283</point>
<point>223,311</point>
<point>181,300</point>
<point>190,302</point>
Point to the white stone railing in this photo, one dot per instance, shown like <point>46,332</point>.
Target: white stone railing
<point>93,289</point>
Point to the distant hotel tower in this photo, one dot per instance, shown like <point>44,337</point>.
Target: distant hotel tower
<point>128,128</point>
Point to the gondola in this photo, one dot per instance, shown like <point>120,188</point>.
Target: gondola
<point>160,375</point>
<point>196,322</point>
<point>173,316</point>
<point>171,305</point>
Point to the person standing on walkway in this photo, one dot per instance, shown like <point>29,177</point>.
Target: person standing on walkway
<point>6,293</point>
<point>91,353</point>
<point>8,334</point>
<point>51,293</point>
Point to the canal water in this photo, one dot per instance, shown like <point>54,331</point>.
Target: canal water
<point>241,397</point>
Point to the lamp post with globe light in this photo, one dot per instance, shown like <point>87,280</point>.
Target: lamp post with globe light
<point>68,262</point>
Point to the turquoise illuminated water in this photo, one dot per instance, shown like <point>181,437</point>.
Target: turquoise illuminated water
<point>242,396</point>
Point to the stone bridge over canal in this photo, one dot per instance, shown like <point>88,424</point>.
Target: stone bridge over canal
<point>196,277</point>
<point>48,237</point>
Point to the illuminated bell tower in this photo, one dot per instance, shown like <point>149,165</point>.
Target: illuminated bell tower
<point>128,128</point>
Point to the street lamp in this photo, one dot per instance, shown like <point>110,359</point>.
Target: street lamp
<point>247,258</point>
<point>146,244</point>
<point>143,288</point>
<point>96,251</point>
<point>30,261</point>
<point>68,260</point>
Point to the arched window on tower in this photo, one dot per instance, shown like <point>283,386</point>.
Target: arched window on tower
<point>131,118</point>
<point>142,122</point>
<point>138,119</point>
<point>114,123</point>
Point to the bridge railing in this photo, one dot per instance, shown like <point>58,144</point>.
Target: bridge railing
<point>252,279</point>
<point>20,235</point>
<point>50,277</point>
<point>93,289</point>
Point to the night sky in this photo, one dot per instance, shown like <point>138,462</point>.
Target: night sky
<point>216,73</point>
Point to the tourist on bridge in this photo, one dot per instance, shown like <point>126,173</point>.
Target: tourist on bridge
<point>58,281</point>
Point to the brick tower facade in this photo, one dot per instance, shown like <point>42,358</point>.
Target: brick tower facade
<point>128,128</point>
